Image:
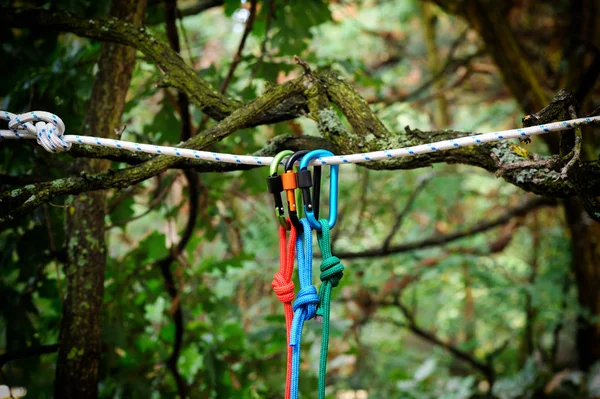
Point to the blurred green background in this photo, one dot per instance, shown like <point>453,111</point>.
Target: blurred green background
<point>427,321</point>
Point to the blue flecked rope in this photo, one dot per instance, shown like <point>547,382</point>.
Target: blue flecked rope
<point>306,302</point>
<point>26,126</point>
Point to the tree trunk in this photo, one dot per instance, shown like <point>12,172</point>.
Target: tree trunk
<point>582,74</point>
<point>521,78</point>
<point>441,113</point>
<point>585,244</point>
<point>79,340</point>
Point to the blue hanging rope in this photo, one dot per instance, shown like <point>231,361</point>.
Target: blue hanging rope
<point>307,299</point>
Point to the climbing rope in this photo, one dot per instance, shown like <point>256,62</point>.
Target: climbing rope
<point>306,302</point>
<point>284,289</point>
<point>332,271</point>
<point>48,129</point>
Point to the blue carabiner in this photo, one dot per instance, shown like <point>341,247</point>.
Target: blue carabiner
<point>305,182</point>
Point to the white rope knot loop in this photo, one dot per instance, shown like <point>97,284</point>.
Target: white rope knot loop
<point>48,129</point>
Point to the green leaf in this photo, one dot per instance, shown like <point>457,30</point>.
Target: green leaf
<point>165,127</point>
<point>155,247</point>
<point>123,212</point>
<point>231,6</point>
<point>294,22</point>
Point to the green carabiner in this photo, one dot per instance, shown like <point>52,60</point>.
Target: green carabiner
<point>275,187</point>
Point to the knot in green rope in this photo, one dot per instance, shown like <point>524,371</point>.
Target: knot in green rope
<point>331,273</point>
<point>332,270</point>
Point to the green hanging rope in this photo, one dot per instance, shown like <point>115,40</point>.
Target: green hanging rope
<point>331,273</point>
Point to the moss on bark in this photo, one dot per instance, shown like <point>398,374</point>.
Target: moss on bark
<point>77,371</point>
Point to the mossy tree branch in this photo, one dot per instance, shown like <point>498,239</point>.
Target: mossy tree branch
<point>313,91</point>
<point>369,134</point>
<point>363,138</point>
<point>176,72</point>
<point>21,201</point>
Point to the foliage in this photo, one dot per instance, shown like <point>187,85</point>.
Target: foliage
<point>468,293</point>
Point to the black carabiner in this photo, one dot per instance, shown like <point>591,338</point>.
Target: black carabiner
<point>305,181</point>
<point>288,179</point>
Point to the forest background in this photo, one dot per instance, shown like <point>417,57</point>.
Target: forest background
<point>466,276</point>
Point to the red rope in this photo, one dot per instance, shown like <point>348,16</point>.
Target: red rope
<point>284,288</point>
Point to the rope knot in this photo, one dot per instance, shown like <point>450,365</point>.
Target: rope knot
<point>308,299</point>
<point>48,129</point>
<point>283,289</point>
<point>332,270</point>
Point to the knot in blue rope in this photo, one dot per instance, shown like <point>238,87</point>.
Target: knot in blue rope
<point>332,270</point>
<point>305,308</point>
<point>307,299</point>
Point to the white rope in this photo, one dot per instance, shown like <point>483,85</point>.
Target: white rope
<point>49,132</point>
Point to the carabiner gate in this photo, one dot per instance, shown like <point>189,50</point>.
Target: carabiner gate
<point>275,186</point>
<point>305,183</point>
<point>288,180</point>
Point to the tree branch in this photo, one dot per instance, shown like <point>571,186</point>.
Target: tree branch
<point>192,178</point>
<point>436,240</point>
<point>429,336</point>
<point>407,207</point>
<point>308,90</point>
<point>370,134</point>
<point>176,73</point>
<point>21,201</point>
<point>263,43</point>
<point>199,7</point>
<point>182,99</point>
<point>238,55</point>
<point>28,352</point>
<point>165,268</point>
<point>554,110</point>
<point>18,180</point>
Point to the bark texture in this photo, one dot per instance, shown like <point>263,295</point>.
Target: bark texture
<point>585,244</point>
<point>77,370</point>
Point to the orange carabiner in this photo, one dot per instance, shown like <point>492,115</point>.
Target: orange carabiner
<point>290,185</point>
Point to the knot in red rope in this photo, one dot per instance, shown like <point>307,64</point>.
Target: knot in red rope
<point>283,288</point>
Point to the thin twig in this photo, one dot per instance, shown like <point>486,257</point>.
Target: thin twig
<point>186,40</point>
<point>362,201</point>
<point>238,55</point>
<point>236,59</point>
<point>115,201</point>
<point>263,44</point>
<point>576,153</point>
<point>27,352</point>
<point>431,337</point>
<point>164,264</point>
<point>58,206</point>
<point>151,206</point>
<point>407,207</point>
